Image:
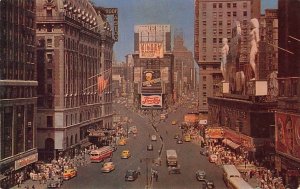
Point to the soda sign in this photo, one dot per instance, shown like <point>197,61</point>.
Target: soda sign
<point>151,100</point>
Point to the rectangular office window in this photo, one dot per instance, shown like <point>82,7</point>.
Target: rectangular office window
<point>49,73</point>
<point>234,5</point>
<point>204,86</point>
<point>204,78</point>
<point>214,5</point>
<point>228,5</point>
<point>244,13</point>
<point>49,121</point>
<point>234,13</point>
<point>220,5</point>
<point>245,5</point>
<point>49,42</point>
<point>220,14</point>
<point>228,14</point>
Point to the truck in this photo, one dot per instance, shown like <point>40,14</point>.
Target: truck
<point>171,158</point>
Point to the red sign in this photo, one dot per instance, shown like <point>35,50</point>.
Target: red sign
<point>214,133</point>
<point>150,100</point>
<point>287,134</point>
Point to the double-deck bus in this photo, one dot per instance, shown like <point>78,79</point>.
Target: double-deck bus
<point>101,154</point>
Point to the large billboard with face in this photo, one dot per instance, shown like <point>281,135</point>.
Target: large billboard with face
<point>151,81</point>
<point>287,134</point>
<point>151,101</point>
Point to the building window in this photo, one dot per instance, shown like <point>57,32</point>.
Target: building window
<point>203,86</point>
<point>49,88</point>
<point>244,13</point>
<point>220,23</point>
<point>49,42</point>
<point>234,5</point>
<point>204,40</point>
<point>204,67</point>
<point>214,40</point>
<point>220,14</point>
<point>220,5</point>
<point>49,121</point>
<point>49,13</point>
<point>49,73</point>
<point>204,6</point>
<point>214,31</point>
<point>228,5</point>
<point>204,14</point>
<point>204,59</point>
<point>220,32</point>
<point>204,78</point>
<point>214,57</point>
<point>228,23</point>
<point>49,28</point>
<point>49,58</point>
<point>204,23</point>
<point>228,31</point>
<point>234,13</point>
<point>214,14</point>
<point>245,5</point>
<point>228,14</point>
<point>214,23</point>
<point>204,49</point>
<point>204,94</point>
<point>214,5</point>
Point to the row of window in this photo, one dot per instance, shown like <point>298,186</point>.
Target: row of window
<point>224,5</point>
<point>12,92</point>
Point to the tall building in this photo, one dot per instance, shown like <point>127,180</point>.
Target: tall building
<point>74,51</point>
<point>153,66</point>
<point>287,117</point>
<point>184,70</point>
<point>18,85</point>
<point>214,20</point>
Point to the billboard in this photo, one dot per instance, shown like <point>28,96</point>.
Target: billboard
<point>214,133</point>
<point>151,50</point>
<point>151,101</point>
<point>287,134</point>
<point>191,118</point>
<point>151,78</point>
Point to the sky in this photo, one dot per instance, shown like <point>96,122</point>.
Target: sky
<point>178,13</point>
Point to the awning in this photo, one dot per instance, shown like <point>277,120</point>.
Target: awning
<point>230,143</point>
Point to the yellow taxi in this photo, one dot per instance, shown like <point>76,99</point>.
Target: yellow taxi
<point>187,138</point>
<point>174,122</point>
<point>125,154</point>
<point>122,142</point>
<point>69,173</point>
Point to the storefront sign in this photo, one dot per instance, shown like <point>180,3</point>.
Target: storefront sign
<point>191,118</point>
<point>151,100</point>
<point>287,134</point>
<point>26,161</point>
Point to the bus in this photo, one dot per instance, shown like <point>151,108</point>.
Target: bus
<point>230,171</point>
<point>238,183</point>
<point>171,158</point>
<point>101,154</point>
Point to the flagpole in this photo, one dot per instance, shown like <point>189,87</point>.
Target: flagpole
<point>100,73</point>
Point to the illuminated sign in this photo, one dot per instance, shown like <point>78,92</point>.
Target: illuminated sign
<point>151,100</point>
<point>151,50</point>
<point>151,78</point>
<point>26,161</point>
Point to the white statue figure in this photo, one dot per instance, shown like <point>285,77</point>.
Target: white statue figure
<point>225,50</point>
<point>254,37</point>
<point>238,28</point>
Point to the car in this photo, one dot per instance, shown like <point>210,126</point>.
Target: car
<point>179,141</point>
<point>55,182</point>
<point>200,175</point>
<point>174,122</point>
<point>187,138</point>
<point>153,138</point>
<point>108,167</point>
<point>125,154</point>
<point>131,175</point>
<point>203,152</point>
<point>176,136</point>
<point>213,158</point>
<point>208,184</point>
<point>149,147</point>
<point>69,173</point>
<point>174,170</point>
<point>122,142</point>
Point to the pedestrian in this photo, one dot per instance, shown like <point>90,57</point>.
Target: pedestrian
<point>139,170</point>
<point>26,187</point>
<point>156,176</point>
<point>33,187</point>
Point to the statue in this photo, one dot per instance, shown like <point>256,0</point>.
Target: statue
<point>225,50</point>
<point>254,37</point>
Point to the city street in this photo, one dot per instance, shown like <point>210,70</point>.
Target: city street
<point>190,159</point>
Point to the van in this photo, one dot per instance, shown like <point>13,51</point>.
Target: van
<point>230,171</point>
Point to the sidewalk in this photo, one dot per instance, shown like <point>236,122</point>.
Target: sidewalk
<point>31,183</point>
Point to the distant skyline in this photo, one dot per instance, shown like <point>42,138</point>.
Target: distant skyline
<point>178,13</point>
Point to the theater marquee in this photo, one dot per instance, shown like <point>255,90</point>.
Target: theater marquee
<point>151,101</point>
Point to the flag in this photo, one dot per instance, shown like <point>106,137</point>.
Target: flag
<point>102,82</point>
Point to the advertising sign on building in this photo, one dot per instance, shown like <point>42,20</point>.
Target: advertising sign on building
<point>137,74</point>
<point>151,101</point>
<point>287,134</point>
<point>26,161</point>
<point>151,78</point>
<point>191,118</point>
<point>165,74</point>
<point>214,133</point>
<point>151,50</point>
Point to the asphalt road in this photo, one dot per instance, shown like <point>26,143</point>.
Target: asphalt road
<point>190,159</point>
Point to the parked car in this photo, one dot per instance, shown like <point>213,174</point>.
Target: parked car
<point>149,147</point>
<point>153,138</point>
<point>125,154</point>
<point>213,158</point>
<point>69,173</point>
<point>108,167</point>
<point>200,175</point>
<point>55,182</point>
<point>122,142</point>
<point>176,136</point>
<point>131,175</point>
<point>187,138</point>
<point>174,122</point>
